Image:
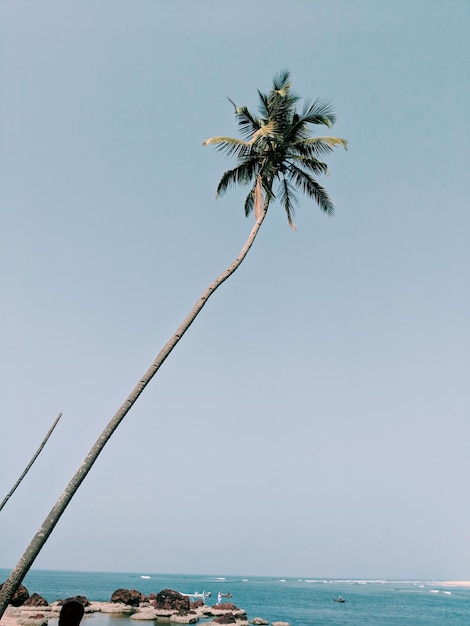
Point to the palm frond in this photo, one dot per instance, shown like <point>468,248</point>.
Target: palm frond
<point>317,146</point>
<point>230,146</point>
<point>312,188</point>
<point>307,163</point>
<point>263,105</point>
<point>247,122</point>
<point>288,199</point>
<point>240,175</point>
<point>266,130</point>
<point>249,202</point>
<point>281,105</point>
<point>318,112</point>
<point>281,80</point>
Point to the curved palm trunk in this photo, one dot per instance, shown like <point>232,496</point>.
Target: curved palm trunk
<point>28,467</point>
<point>21,569</point>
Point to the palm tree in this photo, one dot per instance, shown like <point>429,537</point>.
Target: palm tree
<point>275,148</point>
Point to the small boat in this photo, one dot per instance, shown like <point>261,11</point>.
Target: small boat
<point>339,599</point>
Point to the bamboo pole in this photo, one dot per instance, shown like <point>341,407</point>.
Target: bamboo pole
<point>28,467</point>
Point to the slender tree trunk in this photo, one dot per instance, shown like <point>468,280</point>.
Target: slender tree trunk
<point>28,467</point>
<point>16,577</point>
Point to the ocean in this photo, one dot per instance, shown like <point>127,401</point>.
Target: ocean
<point>301,602</point>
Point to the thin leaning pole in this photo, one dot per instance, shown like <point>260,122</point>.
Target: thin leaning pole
<point>28,467</point>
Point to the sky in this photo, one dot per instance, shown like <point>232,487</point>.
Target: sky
<point>314,421</point>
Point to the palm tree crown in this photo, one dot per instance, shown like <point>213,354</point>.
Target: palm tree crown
<point>278,147</point>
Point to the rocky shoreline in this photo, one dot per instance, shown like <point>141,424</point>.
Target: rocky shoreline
<point>167,606</point>
<point>39,616</point>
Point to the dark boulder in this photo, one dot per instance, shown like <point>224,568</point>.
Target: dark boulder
<point>132,597</point>
<point>170,600</point>
<point>36,600</point>
<point>20,596</point>
<point>82,599</point>
<point>228,618</point>
<point>196,604</point>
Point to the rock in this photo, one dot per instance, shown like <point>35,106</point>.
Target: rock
<point>218,610</point>
<point>148,613</point>
<point>259,621</point>
<point>196,604</point>
<point>117,607</point>
<point>237,622</point>
<point>280,624</point>
<point>226,606</point>
<point>36,600</point>
<point>34,620</point>
<point>132,597</point>
<point>183,619</point>
<point>82,599</point>
<point>20,596</point>
<point>228,618</point>
<point>168,599</point>
<point>163,613</point>
<point>93,607</point>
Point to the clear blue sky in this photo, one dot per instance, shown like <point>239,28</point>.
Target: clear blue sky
<point>315,419</point>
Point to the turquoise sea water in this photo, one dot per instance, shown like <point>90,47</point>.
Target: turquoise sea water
<point>301,602</point>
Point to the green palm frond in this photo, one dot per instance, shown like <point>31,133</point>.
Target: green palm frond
<point>249,202</point>
<point>281,80</point>
<point>312,188</point>
<point>281,102</point>
<point>247,122</point>
<point>263,104</point>
<point>306,163</point>
<point>318,112</point>
<point>240,175</point>
<point>288,199</point>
